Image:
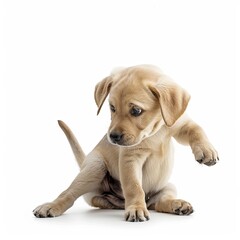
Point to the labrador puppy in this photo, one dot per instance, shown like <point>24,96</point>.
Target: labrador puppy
<point>130,167</point>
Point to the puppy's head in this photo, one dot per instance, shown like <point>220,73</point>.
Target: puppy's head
<point>141,100</point>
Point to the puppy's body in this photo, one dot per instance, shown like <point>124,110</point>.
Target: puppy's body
<point>156,161</point>
<point>131,165</point>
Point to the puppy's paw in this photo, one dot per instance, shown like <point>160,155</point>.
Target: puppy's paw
<point>136,214</point>
<point>205,154</point>
<point>47,210</point>
<point>181,207</point>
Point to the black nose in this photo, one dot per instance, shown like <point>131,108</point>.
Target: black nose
<point>116,137</point>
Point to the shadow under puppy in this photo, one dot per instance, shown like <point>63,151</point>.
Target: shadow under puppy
<point>130,167</point>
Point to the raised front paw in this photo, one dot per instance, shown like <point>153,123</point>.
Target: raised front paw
<point>205,154</point>
<point>136,213</point>
<point>47,210</point>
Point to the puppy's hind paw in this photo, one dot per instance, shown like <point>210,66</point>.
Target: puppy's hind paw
<point>181,207</point>
<point>47,210</point>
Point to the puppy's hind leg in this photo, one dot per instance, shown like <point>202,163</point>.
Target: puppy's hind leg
<point>111,196</point>
<point>107,202</point>
<point>166,202</point>
<point>88,180</point>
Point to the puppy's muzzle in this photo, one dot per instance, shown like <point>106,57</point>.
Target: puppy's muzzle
<point>116,137</point>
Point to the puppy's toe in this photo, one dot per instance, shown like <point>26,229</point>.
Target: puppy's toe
<point>47,210</point>
<point>205,154</point>
<point>136,214</point>
<point>181,207</point>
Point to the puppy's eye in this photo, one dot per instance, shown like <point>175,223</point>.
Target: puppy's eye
<point>112,108</point>
<point>136,111</point>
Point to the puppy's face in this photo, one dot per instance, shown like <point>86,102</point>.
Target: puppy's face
<point>141,100</point>
<point>135,114</point>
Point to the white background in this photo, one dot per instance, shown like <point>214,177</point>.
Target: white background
<point>54,52</point>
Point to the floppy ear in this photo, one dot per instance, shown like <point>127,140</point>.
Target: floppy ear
<point>101,91</point>
<point>173,101</point>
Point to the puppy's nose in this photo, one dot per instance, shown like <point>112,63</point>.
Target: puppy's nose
<point>116,137</point>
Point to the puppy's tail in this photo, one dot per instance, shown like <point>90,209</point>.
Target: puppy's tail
<point>76,148</point>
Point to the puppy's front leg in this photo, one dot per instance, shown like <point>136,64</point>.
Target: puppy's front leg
<point>87,180</point>
<point>191,133</point>
<point>131,181</point>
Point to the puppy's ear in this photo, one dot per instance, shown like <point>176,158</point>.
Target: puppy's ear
<point>173,101</point>
<point>101,91</point>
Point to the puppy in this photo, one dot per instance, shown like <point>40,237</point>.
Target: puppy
<point>130,167</point>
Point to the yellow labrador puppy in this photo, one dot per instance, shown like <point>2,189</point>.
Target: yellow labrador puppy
<point>130,167</point>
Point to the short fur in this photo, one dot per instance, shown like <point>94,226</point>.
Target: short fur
<point>130,167</point>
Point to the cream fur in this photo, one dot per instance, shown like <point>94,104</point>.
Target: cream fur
<point>131,165</point>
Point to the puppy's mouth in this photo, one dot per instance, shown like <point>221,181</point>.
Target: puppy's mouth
<point>121,139</point>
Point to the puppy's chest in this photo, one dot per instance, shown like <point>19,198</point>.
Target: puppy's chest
<point>157,168</point>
